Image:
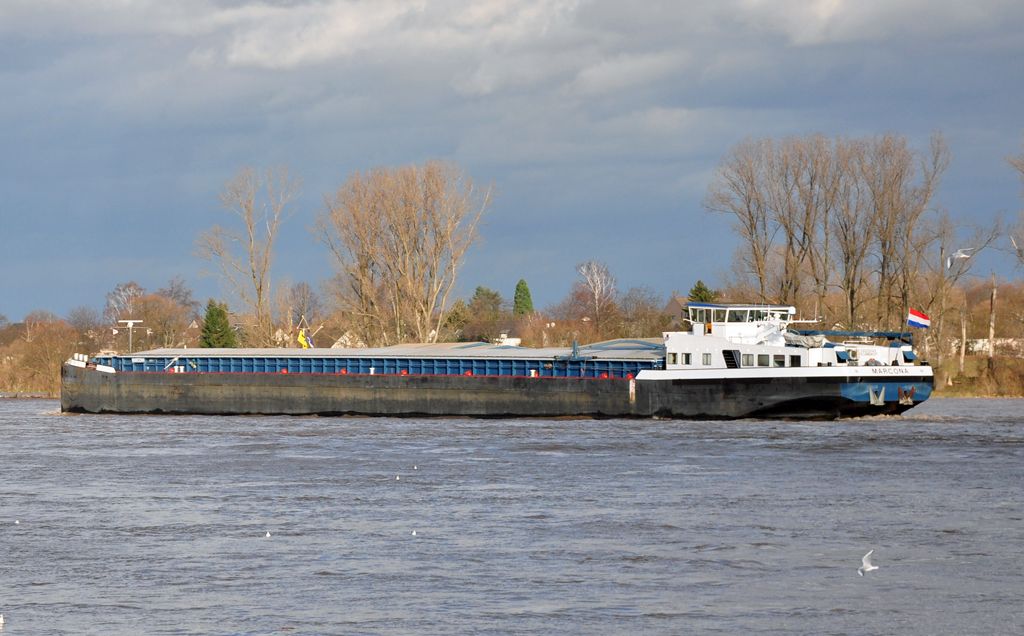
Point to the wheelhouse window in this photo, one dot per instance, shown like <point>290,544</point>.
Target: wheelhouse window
<point>720,315</point>
<point>763,359</point>
<point>748,359</point>
<point>737,315</point>
<point>707,358</point>
<point>794,361</point>
<point>780,361</point>
<point>757,315</point>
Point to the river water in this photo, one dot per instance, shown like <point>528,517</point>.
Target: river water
<point>129,525</point>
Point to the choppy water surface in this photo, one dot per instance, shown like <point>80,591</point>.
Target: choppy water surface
<point>158,524</point>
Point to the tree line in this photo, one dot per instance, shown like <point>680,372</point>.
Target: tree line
<point>398,237</point>
<point>847,226</point>
<point>848,230</point>
<point>32,352</point>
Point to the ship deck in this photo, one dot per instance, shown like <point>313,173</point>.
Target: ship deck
<point>613,358</point>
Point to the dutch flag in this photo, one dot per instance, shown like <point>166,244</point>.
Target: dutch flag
<point>917,319</point>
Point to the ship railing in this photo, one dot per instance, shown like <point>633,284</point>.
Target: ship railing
<point>902,336</point>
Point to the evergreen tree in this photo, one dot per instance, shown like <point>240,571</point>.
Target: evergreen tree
<point>486,311</point>
<point>522,303</point>
<point>456,320</point>
<point>217,331</point>
<point>700,293</point>
<point>486,305</point>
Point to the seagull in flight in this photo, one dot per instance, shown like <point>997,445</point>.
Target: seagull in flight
<point>867,567</point>
<point>957,255</point>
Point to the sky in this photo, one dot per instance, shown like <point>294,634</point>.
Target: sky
<point>599,122</point>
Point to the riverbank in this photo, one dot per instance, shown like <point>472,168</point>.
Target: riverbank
<point>1006,380</point>
<point>27,395</point>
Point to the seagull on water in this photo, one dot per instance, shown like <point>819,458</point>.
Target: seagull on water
<point>414,533</point>
<point>867,567</point>
<point>268,533</point>
<point>957,255</point>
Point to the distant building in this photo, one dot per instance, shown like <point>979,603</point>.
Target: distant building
<point>1004,346</point>
<point>504,340</point>
<point>11,333</point>
<point>348,340</point>
<point>192,334</point>
<point>676,310</point>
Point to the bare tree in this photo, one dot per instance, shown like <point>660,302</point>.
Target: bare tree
<point>179,291</point>
<point>1016,233</point>
<point>296,306</point>
<point>243,257</point>
<point>305,303</point>
<point>780,194</point>
<point>164,321</point>
<point>52,343</point>
<point>399,237</point>
<point>902,185</point>
<point>88,323</point>
<point>574,307</point>
<point>736,190</point>
<point>936,279</point>
<point>122,301</point>
<point>35,320</point>
<point>852,223</point>
<point>816,214</point>
<point>599,287</point>
<point>782,169</point>
<point>642,313</point>
<point>84,319</point>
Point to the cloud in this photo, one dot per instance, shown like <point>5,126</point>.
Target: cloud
<point>623,71</point>
<point>595,47</point>
<point>817,22</point>
<point>286,37</point>
<point>133,112</point>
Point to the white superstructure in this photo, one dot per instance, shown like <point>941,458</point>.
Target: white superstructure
<point>759,337</point>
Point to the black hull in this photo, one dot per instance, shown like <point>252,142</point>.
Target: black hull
<point>90,391</point>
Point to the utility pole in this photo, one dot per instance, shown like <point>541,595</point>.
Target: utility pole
<point>963,334</point>
<point>131,325</point>
<point>992,326</point>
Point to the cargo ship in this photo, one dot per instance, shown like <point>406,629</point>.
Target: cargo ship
<point>734,361</point>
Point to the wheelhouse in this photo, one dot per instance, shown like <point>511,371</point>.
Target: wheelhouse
<point>701,313</point>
